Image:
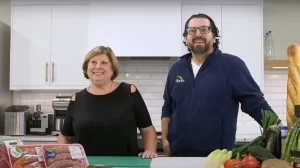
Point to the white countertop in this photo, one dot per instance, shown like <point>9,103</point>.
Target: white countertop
<point>178,162</point>
<point>31,138</point>
<point>50,138</point>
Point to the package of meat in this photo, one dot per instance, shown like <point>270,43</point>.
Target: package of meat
<point>64,155</point>
<point>4,159</point>
<point>26,156</point>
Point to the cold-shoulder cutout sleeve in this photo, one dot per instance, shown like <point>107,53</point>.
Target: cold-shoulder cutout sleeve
<point>142,115</point>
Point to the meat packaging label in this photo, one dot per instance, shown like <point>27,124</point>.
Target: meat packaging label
<point>39,152</point>
<point>50,153</point>
<point>16,152</point>
<point>75,152</point>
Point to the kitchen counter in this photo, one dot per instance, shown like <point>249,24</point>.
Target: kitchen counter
<point>30,138</point>
<point>50,138</point>
<point>137,162</point>
<point>238,139</point>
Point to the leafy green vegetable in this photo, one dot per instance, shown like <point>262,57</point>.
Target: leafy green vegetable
<point>268,119</point>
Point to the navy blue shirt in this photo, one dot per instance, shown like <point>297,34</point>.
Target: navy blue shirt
<point>203,110</point>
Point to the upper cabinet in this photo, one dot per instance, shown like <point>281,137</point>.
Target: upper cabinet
<point>137,28</point>
<point>69,45</point>
<point>49,41</point>
<point>242,35</point>
<point>48,46</point>
<point>30,46</point>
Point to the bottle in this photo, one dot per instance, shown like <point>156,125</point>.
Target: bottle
<point>270,45</point>
<point>266,44</point>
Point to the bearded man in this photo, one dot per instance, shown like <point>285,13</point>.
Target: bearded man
<point>203,92</point>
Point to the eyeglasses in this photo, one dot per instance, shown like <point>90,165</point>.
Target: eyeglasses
<point>203,30</point>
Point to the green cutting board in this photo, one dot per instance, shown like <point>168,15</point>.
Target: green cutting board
<point>120,161</point>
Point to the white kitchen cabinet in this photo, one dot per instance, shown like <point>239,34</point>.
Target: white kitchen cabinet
<point>242,36</point>
<point>68,45</point>
<point>213,11</point>
<point>30,46</point>
<point>137,28</point>
<point>49,42</point>
<point>48,46</point>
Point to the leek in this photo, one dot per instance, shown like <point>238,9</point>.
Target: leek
<point>217,158</point>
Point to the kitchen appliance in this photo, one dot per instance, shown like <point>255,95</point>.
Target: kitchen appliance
<point>5,93</point>
<point>40,122</point>
<point>16,118</point>
<point>60,105</point>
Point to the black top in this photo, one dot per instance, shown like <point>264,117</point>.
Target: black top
<point>106,125</point>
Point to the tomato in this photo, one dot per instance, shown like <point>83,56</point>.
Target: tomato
<point>250,162</point>
<point>232,163</point>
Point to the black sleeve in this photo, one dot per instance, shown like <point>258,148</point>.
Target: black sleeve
<point>142,115</point>
<point>67,129</point>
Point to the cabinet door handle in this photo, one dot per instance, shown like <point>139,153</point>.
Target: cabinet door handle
<point>46,71</point>
<point>52,71</point>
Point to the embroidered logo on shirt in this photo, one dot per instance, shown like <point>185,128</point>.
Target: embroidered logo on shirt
<point>179,79</point>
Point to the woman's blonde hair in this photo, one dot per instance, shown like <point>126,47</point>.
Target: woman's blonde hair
<point>98,51</point>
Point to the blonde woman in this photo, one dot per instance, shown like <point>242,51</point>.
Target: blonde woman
<point>104,117</point>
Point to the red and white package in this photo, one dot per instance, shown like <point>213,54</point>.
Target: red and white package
<point>26,156</point>
<point>4,159</point>
<point>64,155</point>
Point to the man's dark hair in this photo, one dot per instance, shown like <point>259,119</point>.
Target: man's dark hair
<point>213,26</point>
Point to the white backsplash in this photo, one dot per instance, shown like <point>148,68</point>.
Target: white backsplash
<point>150,77</point>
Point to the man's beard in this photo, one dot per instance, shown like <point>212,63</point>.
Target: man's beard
<point>199,49</point>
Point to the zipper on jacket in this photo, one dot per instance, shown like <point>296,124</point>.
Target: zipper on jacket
<point>200,72</point>
<point>192,95</point>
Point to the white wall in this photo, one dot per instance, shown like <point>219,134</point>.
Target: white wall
<point>283,18</point>
<point>150,76</point>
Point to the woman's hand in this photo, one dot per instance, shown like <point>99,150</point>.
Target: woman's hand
<point>148,154</point>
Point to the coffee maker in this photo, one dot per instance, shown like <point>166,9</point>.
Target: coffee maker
<point>60,105</point>
<point>40,122</point>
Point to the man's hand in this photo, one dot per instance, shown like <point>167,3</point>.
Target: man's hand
<point>166,147</point>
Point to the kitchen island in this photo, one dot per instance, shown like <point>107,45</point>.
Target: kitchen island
<point>138,162</point>
<point>121,161</point>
